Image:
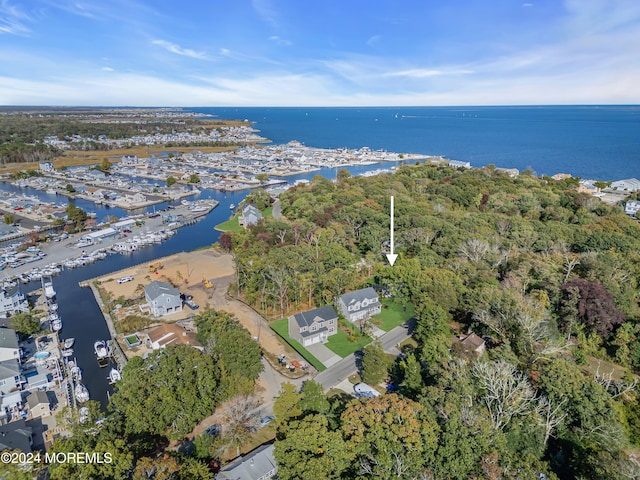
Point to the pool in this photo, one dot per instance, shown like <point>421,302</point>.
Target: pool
<point>132,340</point>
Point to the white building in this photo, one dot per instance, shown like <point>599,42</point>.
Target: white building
<point>163,299</point>
<point>629,185</point>
<point>12,301</point>
<point>632,207</point>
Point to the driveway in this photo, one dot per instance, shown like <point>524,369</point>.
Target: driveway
<point>322,353</point>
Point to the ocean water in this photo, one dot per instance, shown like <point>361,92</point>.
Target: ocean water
<point>592,142</point>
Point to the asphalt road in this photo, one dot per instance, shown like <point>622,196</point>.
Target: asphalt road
<point>348,366</point>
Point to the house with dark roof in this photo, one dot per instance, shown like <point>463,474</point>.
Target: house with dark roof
<point>259,464</point>
<point>250,215</point>
<point>10,377</point>
<point>16,435</point>
<point>163,299</point>
<point>359,305</point>
<point>313,326</point>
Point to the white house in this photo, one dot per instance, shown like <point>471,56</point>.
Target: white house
<point>46,167</point>
<point>9,345</point>
<point>359,305</point>
<point>629,184</point>
<point>250,215</point>
<point>632,207</point>
<point>163,299</point>
<point>12,301</point>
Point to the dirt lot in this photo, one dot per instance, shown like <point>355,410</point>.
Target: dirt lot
<point>186,271</point>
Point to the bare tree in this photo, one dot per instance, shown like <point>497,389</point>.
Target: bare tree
<point>507,391</point>
<point>550,416</point>
<point>616,388</point>
<point>241,416</point>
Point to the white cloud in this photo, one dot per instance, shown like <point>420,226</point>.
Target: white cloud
<point>278,40</point>
<point>13,19</point>
<point>426,73</point>
<point>373,40</point>
<point>178,50</point>
<point>107,69</point>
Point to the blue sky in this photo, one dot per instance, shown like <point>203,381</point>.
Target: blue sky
<point>319,53</point>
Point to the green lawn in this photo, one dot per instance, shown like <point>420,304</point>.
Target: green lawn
<point>234,226</point>
<point>281,327</point>
<point>341,346</point>
<point>393,314</point>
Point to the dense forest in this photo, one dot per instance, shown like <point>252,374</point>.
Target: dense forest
<point>546,275</point>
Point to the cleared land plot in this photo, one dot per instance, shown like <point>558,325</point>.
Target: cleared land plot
<point>393,314</point>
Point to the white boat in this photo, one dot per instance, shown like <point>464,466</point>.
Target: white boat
<point>53,307</point>
<point>68,343</point>
<point>84,414</point>
<point>232,206</point>
<point>114,376</point>
<point>53,316</point>
<point>56,325</point>
<point>100,347</point>
<point>49,292</point>
<point>82,394</point>
<point>67,352</point>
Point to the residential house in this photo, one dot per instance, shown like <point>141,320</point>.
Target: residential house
<point>359,305</point>
<point>163,299</point>
<point>250,215</point>
<point>629,184</point>
<point>16,436</point>
<point>12,301</point>
<point>129,160</point>
<point>470,344</point>
<point>459,164</point>
<point>9,345</point>
<point>259,464</point>
<point>38,403</point>
<point>632,207</point>
<point>171,334</point>
<point>46,167</point>
<point>11,382</point>
<point>313,326</point>
<point>134,198</point>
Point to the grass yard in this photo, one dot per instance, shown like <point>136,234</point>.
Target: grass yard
<point>281,327</point>
<point>234,226</point>
<point>342,346</point>
<point>393,314</point>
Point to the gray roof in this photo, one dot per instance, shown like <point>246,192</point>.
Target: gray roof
<point>9,368</point>
<point>36,398</point>
<point>8,338</point>
<point>306,319</point>
<point>15,435</point>
<point>358,296</point>
<point>249,209</point>
<point>250,467</point>
<point>156,289</point>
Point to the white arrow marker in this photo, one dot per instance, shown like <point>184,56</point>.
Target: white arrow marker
<point>392,256</point>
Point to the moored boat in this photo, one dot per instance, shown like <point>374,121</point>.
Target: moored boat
<point>82,394</point>
<point>68,343</point>
<point>114,376</point>
<point>100,347</point>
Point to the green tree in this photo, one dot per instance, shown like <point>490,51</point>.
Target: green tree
<point>25,323</point>
<point>262,177</point>
<point>9,219</point>
<point>374,363</point>
<point>309,450</point>
<point>388,437</point>
<point>313,398</point>
<point>286,406</point>
<point>171,181</point>
<point>412,383</point>
<point>194,178</point>
<point>168,392</point>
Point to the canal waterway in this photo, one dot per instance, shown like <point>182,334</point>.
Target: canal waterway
<point>78,309</point>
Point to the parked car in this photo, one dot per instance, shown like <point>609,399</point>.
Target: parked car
<point>125,279</point>
<point>264,421</point>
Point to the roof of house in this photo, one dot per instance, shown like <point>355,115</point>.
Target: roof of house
<point>249,209</point>
<point>253,465</point>
<point>9,368</point>
<point>308,318</point>
<point>15,435</point>
<point>172,334</point>
<point>156,289</point>
<point>8,338</point>
<point>472,340</point>
<point>359,295</point>
<point>36,398</point>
